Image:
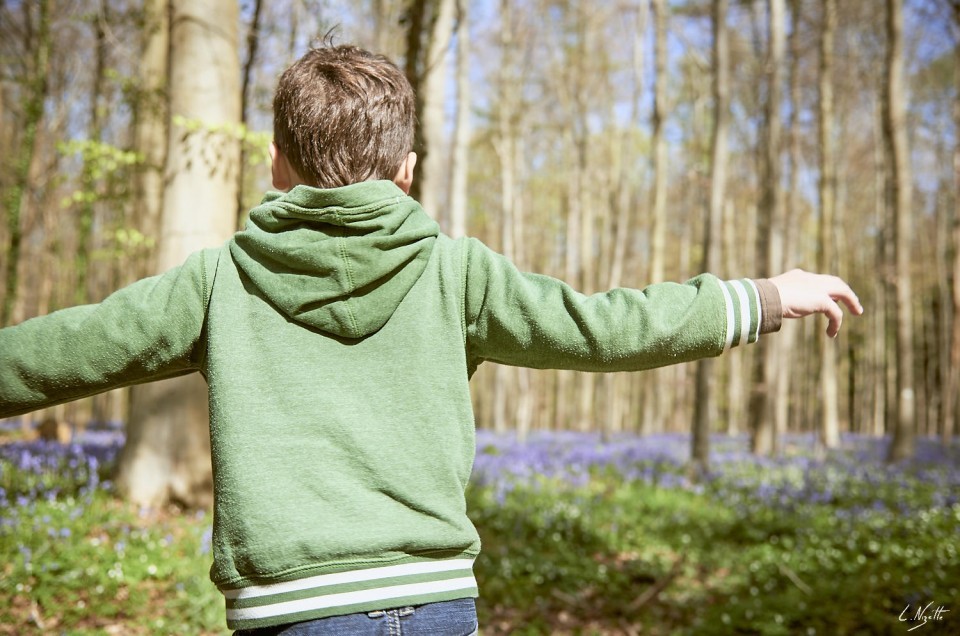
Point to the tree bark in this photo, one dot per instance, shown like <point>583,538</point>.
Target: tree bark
<point>94,134</point>
<point>770,243</point>
<point>167,454</point>
<point>902,444</point>
<point>253,43</point>
<point>952,388</point>
<point>388,37</point>
<point>460,155</point>
<point>34,95</point>
<point>788,336</point>
<point>703,403</point>
<point>658,234</point>
<point>429,34</point>
<point>829,430</point>
<point>505,147</point>
<point>150,128</point>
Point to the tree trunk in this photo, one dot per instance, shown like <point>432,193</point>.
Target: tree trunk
<point>150,129</point>
<point>829,430</point>
<point>770,244</point>
<point>952,388</point>
<point>788,336</point>
<point>94,134</point>
<point>658,234</point>
<point>460,155</point>
<point>388,37</point>
<point>902,444</point>
<point>880,282</point>
<point>167,454</point>
<point>429,33</point>
<point>656,383</point>
<point>34,95</point>
<point>703,406</point>
<point>505,146</point>
<point>737,371</point>
<point>253,43</point>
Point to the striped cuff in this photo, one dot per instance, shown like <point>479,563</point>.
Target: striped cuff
<point>349,592</point>
<point>744,311</point>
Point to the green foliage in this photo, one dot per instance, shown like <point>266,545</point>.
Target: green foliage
<point>101,161</point>
<point>573,560</point>
<point>254,143</point>
<point>89,564</point>
<point>124,242</point>
<point>844,553</point>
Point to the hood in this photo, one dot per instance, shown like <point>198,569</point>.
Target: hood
<point>339,260</point>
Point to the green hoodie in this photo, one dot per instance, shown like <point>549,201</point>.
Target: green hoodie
<point>337,334</point>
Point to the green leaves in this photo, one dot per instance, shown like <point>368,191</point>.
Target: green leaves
<point>764,547</point>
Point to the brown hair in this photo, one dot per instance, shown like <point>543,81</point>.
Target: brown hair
<point>342,115</point>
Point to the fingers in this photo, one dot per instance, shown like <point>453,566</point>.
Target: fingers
<point>805,293</point>
<point>843,293</point>
<point>834,315</point>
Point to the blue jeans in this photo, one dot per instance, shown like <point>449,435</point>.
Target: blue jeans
<point>447,618</point>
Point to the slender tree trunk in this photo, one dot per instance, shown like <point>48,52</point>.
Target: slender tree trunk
<point>703,409</point>
<point>616,386</point>
<point>658,234</point>
<point>505,146</point>
<point>417,18</point>
<point>460,155</point>
<point>429,34</point>
<point>94,134</point>
<point>569,384</point>
<point>902,444</point>
<point>150,129</point>
<point>253,42</point>
<point>34,95</point>
<point>736,363</point>
<point>770,244</point>
<point>788,336</point>
<point>656,386</point>
<point>588,223</point>
<point>880,282</point>
<point>167,454</point>
<point>952,388</point>
<point>388,36</point>
<point>829,429</point>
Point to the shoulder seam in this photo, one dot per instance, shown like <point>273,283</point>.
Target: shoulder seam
<point>464,265</point>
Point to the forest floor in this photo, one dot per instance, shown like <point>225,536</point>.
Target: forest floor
<point>581,535</point>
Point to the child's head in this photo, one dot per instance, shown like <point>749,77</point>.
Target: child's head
<point>343,115</point>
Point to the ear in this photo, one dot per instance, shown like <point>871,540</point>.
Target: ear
<point>404,178</point>
<point>279,169</point>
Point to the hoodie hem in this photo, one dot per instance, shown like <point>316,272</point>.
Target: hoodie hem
<point>347,592</point>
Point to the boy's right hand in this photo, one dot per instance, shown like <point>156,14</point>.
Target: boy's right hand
<point>804,293</point>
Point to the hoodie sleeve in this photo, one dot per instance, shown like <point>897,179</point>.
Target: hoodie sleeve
<point>147,331</point>
<point>540,322</point>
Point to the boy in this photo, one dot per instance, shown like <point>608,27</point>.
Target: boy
<point>337,334</point>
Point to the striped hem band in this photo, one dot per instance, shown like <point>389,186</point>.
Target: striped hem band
<point>349,592</point>
<point>742,303</point>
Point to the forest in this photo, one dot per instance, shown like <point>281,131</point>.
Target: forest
<point>609,144</point>
<point>612,143</point>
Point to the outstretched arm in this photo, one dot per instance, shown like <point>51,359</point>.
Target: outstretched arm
<point>804,293</point>
<point>146,331</point>
<point>537,321</point>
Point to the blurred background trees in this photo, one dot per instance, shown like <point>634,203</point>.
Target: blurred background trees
<point>579,138</point>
